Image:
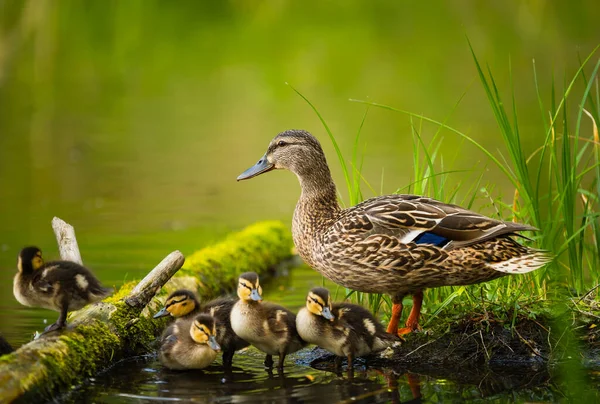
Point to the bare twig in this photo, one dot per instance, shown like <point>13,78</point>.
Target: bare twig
<point>487,354</point>
<point>67,242</point>
<point>151,284</point>
<point>533,349</point>
<point>589,292</point>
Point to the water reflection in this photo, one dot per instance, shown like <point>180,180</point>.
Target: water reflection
<point>143,379</point>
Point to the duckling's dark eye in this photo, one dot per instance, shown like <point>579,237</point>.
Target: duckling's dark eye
<point>282,143</point>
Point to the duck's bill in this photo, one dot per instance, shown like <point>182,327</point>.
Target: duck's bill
<point>212,343</point>
<point>255,296</point>
<point>259,168</point>
<point>162,313</point>
<point>327,314</point>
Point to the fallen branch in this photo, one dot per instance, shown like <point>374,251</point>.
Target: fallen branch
<point>151,284</point>
<point>67,242</point>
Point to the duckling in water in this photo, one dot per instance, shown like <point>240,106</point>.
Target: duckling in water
<point>269,327</point>
<point>184,304</point>
<point>189,344</point>
<point>343,329</point>
<point>5,347</point>
<point>62,286</point>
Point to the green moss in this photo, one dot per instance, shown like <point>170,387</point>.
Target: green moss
<point>121,293</point>
<point>257,248</point>
<point>137,332</point>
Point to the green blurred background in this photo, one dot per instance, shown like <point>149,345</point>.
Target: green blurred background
<point>132,119</point>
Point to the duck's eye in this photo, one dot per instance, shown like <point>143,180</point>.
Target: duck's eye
<point>282,143</point>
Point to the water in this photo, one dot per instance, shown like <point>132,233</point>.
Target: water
<point>249,382</point>
<point>132,121</point>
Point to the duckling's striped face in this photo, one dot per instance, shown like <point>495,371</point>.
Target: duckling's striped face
<point>30,259</point>
<point>204,331</point>
<point>178,305</point>
<point>249,288</point>
<point>318,302</point>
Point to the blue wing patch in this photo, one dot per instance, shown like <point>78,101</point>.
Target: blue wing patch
<point>430,238</point>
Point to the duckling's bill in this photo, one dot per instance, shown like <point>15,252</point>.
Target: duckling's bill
<point>254,295</point>
<point>162,313</point>
<point>212,343</point>
<point>261,167</point>
<point>327,314</point>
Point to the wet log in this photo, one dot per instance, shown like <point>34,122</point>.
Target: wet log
<point>122,325</point>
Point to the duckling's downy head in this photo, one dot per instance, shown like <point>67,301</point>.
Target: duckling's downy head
<point>295,150</point>
<point>203,331</point>
<point>178,304</point>
<point>30,259</point>
<point>318,302</point>
<point>249,287</point>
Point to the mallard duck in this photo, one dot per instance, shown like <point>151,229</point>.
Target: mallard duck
<point>189,344</point>
<point>62,286</point>
<point>184,304</point>
<point>394,244</point>
<point>269,327</point>
<point>343,329</point>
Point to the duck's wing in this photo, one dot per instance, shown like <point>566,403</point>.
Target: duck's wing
<point>419,220</point>
<point>279,319</point>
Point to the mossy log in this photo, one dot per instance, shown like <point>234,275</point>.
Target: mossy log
<point>102,333</point>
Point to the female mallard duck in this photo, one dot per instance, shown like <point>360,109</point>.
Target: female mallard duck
<point>189,344</point>
<point>184,304</point>
<point>394,244</point>
<point>62,286</point>
<point>269,327</point>
<point>343,329</point>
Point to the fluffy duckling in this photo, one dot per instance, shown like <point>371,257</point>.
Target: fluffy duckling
<point>184,304</point>
<point>62,286</point>
<point>343,329</point>
<point>269,327</point>
<point>5,347</point>
<point>189,344</point>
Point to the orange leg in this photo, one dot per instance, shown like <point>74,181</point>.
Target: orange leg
<point>392,327</point>
<point>412,323</point>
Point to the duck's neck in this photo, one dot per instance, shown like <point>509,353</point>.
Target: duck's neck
<point>316,210</point>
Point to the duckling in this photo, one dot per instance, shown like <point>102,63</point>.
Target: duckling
<point>183,304</point>
<point>269,327</point>
<point>5,347</point>
<point>189,344</point>
<point>62,286</point>
<point>343,329</point>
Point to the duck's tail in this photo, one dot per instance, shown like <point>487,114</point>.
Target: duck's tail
<point>521,264</point>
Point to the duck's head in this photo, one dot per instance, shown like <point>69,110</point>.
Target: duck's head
<point>178,304</point>
<point>30,259</point>
<point>295,150</point>
<point>248,287</point>
<point>318,302</point>
<point>204,331</point>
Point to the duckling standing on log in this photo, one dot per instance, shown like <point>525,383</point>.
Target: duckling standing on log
<point>394,244</point>
<point>343,329</point>
<point>62,286</point>
<point>184,304</point>
<point>189,344</point>
<point>269,327</point>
